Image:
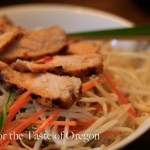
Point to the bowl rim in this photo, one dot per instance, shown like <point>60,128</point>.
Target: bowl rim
<point>63,7</point>
<point>145,126</point>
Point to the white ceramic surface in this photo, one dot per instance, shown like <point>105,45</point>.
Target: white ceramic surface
<point>72,19</point>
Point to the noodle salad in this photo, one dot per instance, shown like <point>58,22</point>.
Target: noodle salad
<point>114,104</point>
<point>58,93</point>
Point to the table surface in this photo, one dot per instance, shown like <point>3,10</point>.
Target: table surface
<point>132,10</point>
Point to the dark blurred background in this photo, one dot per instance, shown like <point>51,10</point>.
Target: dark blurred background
<point>136,11</point>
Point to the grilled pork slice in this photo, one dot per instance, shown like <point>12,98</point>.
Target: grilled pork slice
<point>83,48</point>
<point>36,44</point>
<point>77,65</point>
<point>5,20</point>
<point>50,90</point>
<point>8,34</point>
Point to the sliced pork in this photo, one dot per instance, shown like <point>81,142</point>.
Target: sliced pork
<point>4,20</point>
<point>77,65</point>
<point>83,48</point>
<point>35,44</point>
<point>8,33</point>
<point>48,89</point>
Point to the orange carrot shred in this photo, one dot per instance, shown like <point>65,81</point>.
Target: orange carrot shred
<point>16,108</point>
<point>116,90</point>
<point>20,99</point>
<point>89,85</point>
<point>51,117</point>
<point>22,126</point>
<point>2,146</point>
<point>84,123</point>
<point>18,104</point>
<point>55,123</point>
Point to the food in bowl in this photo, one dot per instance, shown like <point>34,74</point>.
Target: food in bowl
<point>57,93</point>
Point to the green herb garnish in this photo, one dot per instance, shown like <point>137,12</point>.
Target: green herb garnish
<point>3,115</point>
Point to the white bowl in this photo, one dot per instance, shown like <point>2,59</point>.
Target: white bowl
<point>72,19</point>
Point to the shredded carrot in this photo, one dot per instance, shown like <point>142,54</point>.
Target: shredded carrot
<point>51,117</point>
<point>90,84</point>
<point>16,108</point>
<point>84,123</point>
<point>110,133</point>
<point>116,90</point>
<point>97,107</point>
<point>22,126</point>
<point>55,123</point>
<point>2,146</point>
<point>80,125</point>
<point>11,124</point>
<point>20,99</point>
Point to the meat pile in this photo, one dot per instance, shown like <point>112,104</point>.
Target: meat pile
<point>45,62</point>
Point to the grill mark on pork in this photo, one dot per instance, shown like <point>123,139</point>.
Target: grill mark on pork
<point>36,44</point>
<point>74,65</point>
<point>48,89</point>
